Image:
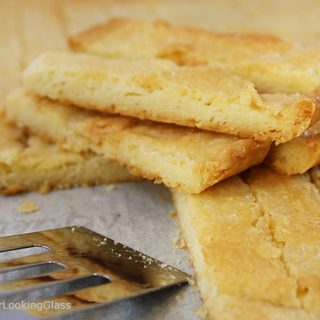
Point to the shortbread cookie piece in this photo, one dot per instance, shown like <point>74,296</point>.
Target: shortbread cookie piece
<point>161,91</point>
<point>180,157</point>
<point>272,64</point>
<point>298,155</point>
<point>28,163</point>
<point>254,245</point>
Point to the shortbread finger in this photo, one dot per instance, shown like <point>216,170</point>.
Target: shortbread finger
<point>161,91</point>
<point>28,163</point>
<point>272,64</point>
<point>254,244</point>
<point>180,157</point>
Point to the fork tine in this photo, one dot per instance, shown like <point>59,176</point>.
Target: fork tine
<point>52,289</point>
<point>28,271</point>
<point>81,265</point>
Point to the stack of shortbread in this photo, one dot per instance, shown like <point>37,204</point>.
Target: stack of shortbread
<point>190,108</point>
<point>27,161</point>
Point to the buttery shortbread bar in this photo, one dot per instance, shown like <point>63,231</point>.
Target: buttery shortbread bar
<point>272,64</point>
<point>255,246</point>
<point>180,157</point>
<point>28,163</point>
<point>161,91</point>
<point>297,155</point>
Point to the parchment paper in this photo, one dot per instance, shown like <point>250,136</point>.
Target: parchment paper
<point>135,214</point>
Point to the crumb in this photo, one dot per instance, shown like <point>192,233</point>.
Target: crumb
<point>179,262</point>
<point>172,214</point>
<point>177,297</point>
<point>202,313</point>
<point>191,281</point>
<point>179,242</point>
<point>28,207</point>
<point>72,209</point>
<point>163,265</point>
<point>182,244</point>
<point>110,187</point>
<point>176,239</point>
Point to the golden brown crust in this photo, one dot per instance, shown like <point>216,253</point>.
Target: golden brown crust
<point>297,155</point>
<point>28,163</point>
<point>296,232</point>
<point>274,65</point>
<point>84,39</point>
<point>254,247</point>
<point>315,96</point>
<point>158,90</point>
<point>179,157</point>
<point>164,29</point>
<point>234,161</point>
<point>300,154</point>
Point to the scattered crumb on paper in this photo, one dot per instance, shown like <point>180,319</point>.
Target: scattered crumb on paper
<point>28,206</point>
<point>182,244</point>
<point>172,214</point>
<point>110,187</point>
<point>179,242</point>
<point>178,297</point>
<point>202,313</point>
<point>71,208</point>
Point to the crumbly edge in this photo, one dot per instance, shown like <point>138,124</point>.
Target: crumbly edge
<point>298,120</point>
<point>280,157</point>
<point>269,308</point>
<point>85,38</point>
<point>244,154</point>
